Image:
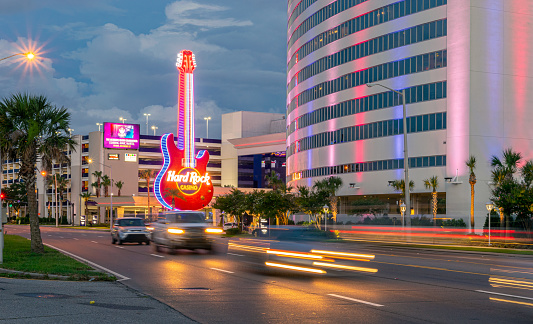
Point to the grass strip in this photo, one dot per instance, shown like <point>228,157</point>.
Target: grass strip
<point>18,256</point>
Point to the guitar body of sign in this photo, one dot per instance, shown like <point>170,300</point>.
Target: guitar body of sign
<point>179,185</point>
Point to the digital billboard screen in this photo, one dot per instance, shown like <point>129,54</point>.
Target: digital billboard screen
<point>121,136</point>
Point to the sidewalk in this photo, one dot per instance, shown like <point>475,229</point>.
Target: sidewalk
<point>54,301</point>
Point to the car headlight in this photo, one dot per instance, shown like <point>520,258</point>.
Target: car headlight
<point>175,231</point>
<point>214,230</point>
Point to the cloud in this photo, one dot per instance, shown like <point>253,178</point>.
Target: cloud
<point>185,12</point>
<point>109,70</point>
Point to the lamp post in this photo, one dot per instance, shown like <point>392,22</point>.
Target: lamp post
<point>99,124</point>
<point>122,119</point>
<point>147,115</point>
<point>154,128</point>
<point>30,56</point>
<point>110,199</point>
<point>326,210</point>
<point>70,130</point>
<point>207,119</point>
<point>405,153</point>
<point>490,207</point>
<point>403,207</point>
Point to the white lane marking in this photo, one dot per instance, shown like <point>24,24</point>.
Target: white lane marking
<point>100,236</point>
<point>226,271</point>
<point>89,263</point>
<point>76,239</point>
<point>49,235</point>
<point>61,237</point>
<point>120,247</point>
<point>156,255</point>
<point>94,242</point>
<point>495,293</point>
<point>235,254</point>
<point>355,300</point>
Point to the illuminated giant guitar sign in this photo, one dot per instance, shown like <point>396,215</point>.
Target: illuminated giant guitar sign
<point>181,169</point>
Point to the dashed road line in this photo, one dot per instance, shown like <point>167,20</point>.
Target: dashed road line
<point>226,271</point>
<point>120,247</point>
<point>235,254</point>
<point>157,255</point>
<point>94,242</point>
<point>76,239</point>
<point>495,293</point>
<point>356,300</point>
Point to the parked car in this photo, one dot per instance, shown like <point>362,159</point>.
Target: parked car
<point>183,230</point>
<point>130,229</point>
<point>227,226</point>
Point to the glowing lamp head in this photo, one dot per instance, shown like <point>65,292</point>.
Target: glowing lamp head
<point>186,62</point>
<point>30,56</point>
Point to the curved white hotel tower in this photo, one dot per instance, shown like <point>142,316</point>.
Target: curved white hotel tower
<point>466,69</point>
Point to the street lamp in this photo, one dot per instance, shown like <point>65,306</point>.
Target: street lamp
<point>405,153</point>
<point>490,207</point>
<point>207,119</point>
<point>403,207</point>
<point>326,210</point>
<point>70,130</point>
<point>111,199</point>
<point>147,115</point>
<point>154,128</point>
<point>30,56</point>
<point>122,119</point>
<point>99,124</point>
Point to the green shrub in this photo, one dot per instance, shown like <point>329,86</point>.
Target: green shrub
<point>233,231</point>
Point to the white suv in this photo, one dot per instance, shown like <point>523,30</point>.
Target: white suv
<point>129,229</point>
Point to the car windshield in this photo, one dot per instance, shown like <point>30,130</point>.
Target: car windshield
<point>185,218</point>
<point>130,222</point>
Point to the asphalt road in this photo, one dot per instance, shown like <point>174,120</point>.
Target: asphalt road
<point>411,285</point>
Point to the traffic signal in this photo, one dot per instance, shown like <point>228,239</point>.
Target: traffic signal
<point>2,195</point>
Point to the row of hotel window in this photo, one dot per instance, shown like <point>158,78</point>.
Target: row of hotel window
<point>415,124</point>
<point>321,15</point>
<point>419,63</point>
<point>383,43</point>
<point>375,17</point>
<point>391,164</point>
<point>420,93</point>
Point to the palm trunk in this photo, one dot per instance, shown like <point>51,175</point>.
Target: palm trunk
<point>28,175</point>
<point>434,201</point>
<point>472,193</point>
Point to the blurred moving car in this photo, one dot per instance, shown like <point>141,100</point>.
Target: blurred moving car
<point>183,230</point>
<point>227,226</point>
<point>298,249</point>
<point>130,229</point>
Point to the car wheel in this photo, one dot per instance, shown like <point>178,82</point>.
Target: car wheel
<point>147,242</point>
<point>119,241</point>
<point>113,241</point>
<point>157,248</point>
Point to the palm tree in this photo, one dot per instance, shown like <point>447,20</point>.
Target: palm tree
<point>329,187</point>
<point>106,182</point>
<point>62,186</point>
<point>471,164</point>
<point>433,183</point>
<point>98,175</point>
<point>399,185</point>
<point>273,181</point>
<point>86,196</point>
<point>147,175</point>
<point>174,194</point>
<point>119,185</point>
<point>504,170</point>
<point>33,128</point>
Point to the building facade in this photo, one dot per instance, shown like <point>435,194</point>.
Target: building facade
<point>463,65</point>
